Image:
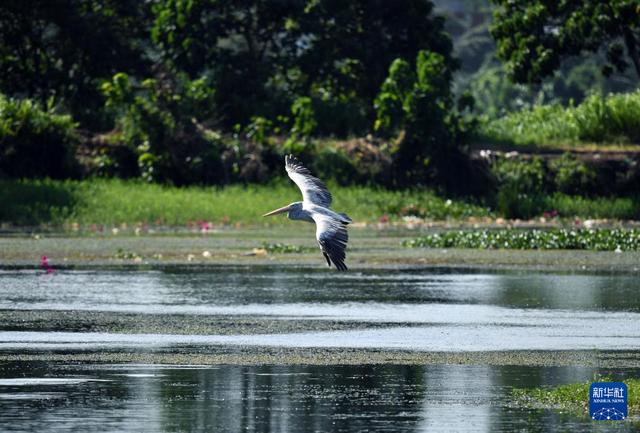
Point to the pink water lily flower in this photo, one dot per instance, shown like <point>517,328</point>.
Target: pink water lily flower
<point>45,265</point>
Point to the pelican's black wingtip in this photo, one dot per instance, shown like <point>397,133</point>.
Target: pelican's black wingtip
<point>326,256</point>
<point>341,266</point>
<point>291,159</point>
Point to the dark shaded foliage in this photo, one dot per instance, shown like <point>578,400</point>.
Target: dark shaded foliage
<point>35,202</point>
<point>417,105</point>
<point>265,54</point>
<point>35,142</point>
<point>61,49</point>
<point>526,187</point>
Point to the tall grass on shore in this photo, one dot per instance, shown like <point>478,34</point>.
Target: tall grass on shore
<point>113,202</point>
<point>621,208</point>
<point>611,119</point>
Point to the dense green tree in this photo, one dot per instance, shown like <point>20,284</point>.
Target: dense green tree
<point>175,79</point>
<point>62,48</point>
<point>245,45</point>
<point>264,54</point>
<point>416,103</point>
<point>535,36</point>
<point>34,141</point>
<point>350,45</point>
<point>159,119</point>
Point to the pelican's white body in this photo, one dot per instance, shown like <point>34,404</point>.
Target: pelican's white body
<point>331,226</point>
<point>302,211</point>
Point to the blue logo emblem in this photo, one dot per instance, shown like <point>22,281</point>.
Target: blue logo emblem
<point>608,401</point>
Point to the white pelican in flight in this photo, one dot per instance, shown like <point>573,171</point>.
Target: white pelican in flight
<point>331,226</point>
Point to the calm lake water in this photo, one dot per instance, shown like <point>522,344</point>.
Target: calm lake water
<point>121,398</point>
<point>421,310</point>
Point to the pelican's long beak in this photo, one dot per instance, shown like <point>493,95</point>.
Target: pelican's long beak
<point>287,208</point>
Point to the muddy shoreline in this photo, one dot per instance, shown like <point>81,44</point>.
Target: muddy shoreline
<point>85,321</point>
<point>367,251</point>
<point>232,355</point>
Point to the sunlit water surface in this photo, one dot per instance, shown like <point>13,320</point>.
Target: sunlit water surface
<point>447,311</point>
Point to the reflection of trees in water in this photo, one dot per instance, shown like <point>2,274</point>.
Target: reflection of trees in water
<point>457,398</point>
<point>478,398</point>
<point>244,285</point>
<point>517,289</point>
<point>609,292</point>
<point>71,405</point>
<point>512,417</point>
<point>286,398</point>
<point>293,398</point>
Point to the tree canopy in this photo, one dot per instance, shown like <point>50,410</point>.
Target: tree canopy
<point>216,91</point>
<point>62,48</point>
<point>265,53</point>
<point>168,81</point>
<point>535,37</point>
<point>259,55</point>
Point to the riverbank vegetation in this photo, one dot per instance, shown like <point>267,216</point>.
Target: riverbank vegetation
<point>116,202</point>
<point>113,202</point>
<point>138,99</point>
<point>612,119</point>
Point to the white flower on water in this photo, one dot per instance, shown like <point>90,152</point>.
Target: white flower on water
<point>206,254</point>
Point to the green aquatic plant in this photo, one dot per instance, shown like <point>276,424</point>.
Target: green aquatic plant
<point>552,239</point>
<point>126,255</point>
<point>282,248</point>
<point>574,396</point>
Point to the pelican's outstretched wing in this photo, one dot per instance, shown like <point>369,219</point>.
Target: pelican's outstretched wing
<point>332,237</point>
<point>313,189</point>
